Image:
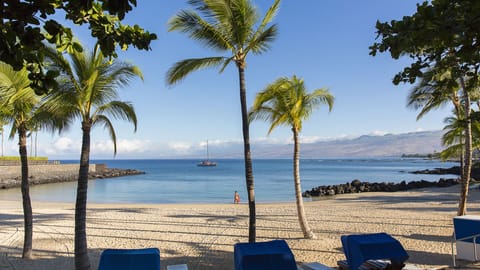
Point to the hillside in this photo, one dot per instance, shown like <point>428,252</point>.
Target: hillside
<point>363,146</point>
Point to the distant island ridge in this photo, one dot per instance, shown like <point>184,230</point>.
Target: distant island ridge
<point>388,145</point>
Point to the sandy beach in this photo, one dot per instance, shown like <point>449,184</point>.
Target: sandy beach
<point>203,236</point>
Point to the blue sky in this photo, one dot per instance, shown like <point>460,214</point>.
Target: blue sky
<point>324,42</point>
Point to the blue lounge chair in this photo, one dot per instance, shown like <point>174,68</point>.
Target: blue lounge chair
<point>360,248</point>
<point>272,255</point>
<point>130,259</point>
<point>466,236</point>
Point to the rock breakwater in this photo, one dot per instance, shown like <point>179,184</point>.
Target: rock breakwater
<point>357,186</point>
<point>58,177</point>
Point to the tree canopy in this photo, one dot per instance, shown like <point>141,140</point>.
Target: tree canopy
<point>442,33</point>
<point>26,26</point>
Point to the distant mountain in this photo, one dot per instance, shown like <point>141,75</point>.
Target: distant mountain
<point>364,146</point>
<point>377,146</point>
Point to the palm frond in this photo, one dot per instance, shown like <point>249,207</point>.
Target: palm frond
<point>52,121</point>
<point>434,91</point>
<point>199,29</point>
<point>214,11</point>
<point>118,110</point>
<point>453,151</point>
<point>182,68</point>
<point>105,122</point>
<point>20,104</point>
<point>264,36</point>
<point>261,43</point>
<point>322,96</point>
<point>243,18</point>
<point>13,132</point>
<point>286,102</point>
<point>57,61</point>
<point>260,112</point>
<point>269,16</point>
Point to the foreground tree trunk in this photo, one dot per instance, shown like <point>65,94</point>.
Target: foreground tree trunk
<point>82,262</point>
<point>248,158</point>
<point>302,218</point>
<point>27,205</point>
<point>467,168</point>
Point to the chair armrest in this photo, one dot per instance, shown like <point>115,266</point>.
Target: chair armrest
<point>468,237</point>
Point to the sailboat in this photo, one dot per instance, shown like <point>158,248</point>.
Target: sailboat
<point>207,162</point>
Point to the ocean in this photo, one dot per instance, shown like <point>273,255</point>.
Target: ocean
<point>182,181</point>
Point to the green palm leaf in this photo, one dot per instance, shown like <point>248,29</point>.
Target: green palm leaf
<point>183,68</point>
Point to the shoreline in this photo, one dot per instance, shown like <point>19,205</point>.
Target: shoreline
<point>203,235</point>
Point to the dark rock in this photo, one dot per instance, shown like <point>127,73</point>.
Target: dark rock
<point>455,170</point>
<point>357,186</point>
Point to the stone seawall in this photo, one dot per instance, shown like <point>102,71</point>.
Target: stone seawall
<point>42,170</point>
<point>30,162</point>
<point>10,176</point>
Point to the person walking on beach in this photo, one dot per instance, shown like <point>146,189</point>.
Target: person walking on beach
<point>236,198</point>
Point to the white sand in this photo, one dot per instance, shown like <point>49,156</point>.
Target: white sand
<point>203,236</point>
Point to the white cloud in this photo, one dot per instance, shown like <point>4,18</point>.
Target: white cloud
<point>61,146</point>
<point>220,142</point>
<point>379,133</point>
<point>180,147</point>
<point>310,139</point>
<point>315,139</point>
<point>124,146</point>
<point>65,147</point>
<point>64,144</point>
<point>271,140</point>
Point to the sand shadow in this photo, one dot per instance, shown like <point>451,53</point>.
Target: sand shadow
<point>430,238</point>
<point>207,259</point>
<point>16,220</point>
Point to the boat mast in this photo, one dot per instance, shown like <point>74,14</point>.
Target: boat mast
<point>208,155</point>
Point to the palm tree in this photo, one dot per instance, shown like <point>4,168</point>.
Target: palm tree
<point>437,88</point>
<point>227,26</point>
<point>88,89</point>
<point>287,102</point>
<point>453,136</point>
<point>20,107</point>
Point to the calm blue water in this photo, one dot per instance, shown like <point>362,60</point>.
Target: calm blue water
<point>181,181</point>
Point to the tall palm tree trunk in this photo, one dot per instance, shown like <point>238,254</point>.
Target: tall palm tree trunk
<point>302,218</point>
<point>462,206</point>
<point>458,111</point>
<point>82,262</point>
<point>248,158</point>
<point>27,205</point>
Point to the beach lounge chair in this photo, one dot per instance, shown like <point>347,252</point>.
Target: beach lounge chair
<point>466,238</point>
<point>272,255</point>
<point>367,248</point>
<point>130,259</point>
